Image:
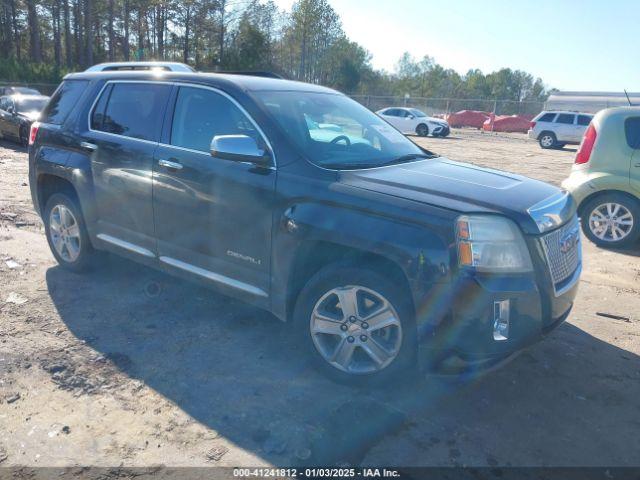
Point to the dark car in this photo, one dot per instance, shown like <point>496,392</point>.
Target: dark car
<point>17,113</point>
<point>22,90</point>
<point>299,200</point>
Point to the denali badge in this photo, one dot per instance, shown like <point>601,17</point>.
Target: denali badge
<point>570,240</point>
<point>246,258</point>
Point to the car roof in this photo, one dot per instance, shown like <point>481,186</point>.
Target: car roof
<point>568,112</point>
<point>220,80</point>
<point>172,66</point>
<point>23,96</point>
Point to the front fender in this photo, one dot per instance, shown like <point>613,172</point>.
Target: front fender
<point>419,251</point>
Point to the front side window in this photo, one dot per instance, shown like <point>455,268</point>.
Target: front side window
<point>63,101</point>
<point>584,120</point>
<point>201,114</point>
<point>632,132</point>
<point>547,117</point>
<point>132,110</point>
<point>333,131</point>
<point>418,113</point>
<point>566,118</point>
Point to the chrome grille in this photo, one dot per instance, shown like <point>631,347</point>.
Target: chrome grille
<point>563,262</point>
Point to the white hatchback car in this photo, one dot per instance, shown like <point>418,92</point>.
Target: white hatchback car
<point>555,129</point>
<point>412,121</point>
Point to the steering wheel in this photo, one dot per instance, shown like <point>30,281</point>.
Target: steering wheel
<point>341,137</point>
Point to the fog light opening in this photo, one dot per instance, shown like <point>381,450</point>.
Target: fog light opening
<point>501,320</point>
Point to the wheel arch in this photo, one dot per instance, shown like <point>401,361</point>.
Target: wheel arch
<point>547,131</point>
<point>313,255</point>
<point>600,193</point>
<point>48,184</point>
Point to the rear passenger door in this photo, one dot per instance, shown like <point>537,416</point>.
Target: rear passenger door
<point>125,126</point>
<point>565,128</point>
<point>213,217</point>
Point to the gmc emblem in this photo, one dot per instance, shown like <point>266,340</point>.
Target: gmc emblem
<point>570,240</point>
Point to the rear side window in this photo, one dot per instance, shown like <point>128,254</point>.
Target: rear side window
<point>547,117</point>
<point>632,132</point>
<point>132,110</point>
<point>565,118</point>
<point>201,114</point>
<point>584,120</point>
<point>63,101</point>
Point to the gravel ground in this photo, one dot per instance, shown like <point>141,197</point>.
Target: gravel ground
<point>127,366</point>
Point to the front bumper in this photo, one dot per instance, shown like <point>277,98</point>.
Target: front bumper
<point>440,131</point>
<point>464,338</point>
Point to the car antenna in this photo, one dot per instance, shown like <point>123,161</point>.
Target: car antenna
<point>628,99</point>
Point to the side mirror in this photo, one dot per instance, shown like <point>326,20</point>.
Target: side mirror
<point>412,117</point>
<point>11,109</point>
<point>240,148</point>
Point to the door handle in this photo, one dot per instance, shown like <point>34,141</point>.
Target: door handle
<point>637,164</point>
<point>90,147</point>
<point>170,164</point>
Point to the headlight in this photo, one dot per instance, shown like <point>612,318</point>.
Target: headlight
<point>491,243</point>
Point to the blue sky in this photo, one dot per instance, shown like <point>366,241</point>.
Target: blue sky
<point>570,44</point>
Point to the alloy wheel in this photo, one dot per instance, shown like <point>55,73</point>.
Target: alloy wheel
<point>65,233</point>
<point>546,141</point>
<point>611,222</point>
<point>356,329</point>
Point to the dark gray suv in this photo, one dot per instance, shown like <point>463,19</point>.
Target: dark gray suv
<point>299,200</point>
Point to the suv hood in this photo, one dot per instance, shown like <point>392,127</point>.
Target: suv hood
<point>467,189</point>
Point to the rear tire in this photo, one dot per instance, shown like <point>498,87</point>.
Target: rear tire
<point>422,130</point>
<point>547,140</point>
<point>611,220</point>
<point>67,234</point>
<point>349,343</point>
<point>24,137</point>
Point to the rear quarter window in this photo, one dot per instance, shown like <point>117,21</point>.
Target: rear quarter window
<point>132,110</point>
<point>632,132</point>
<point>584,120</point>
<point>63,101</point>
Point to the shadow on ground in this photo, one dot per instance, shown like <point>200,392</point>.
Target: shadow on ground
<point>238,370</point>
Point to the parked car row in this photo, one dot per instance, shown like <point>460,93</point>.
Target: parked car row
<point>384,231</point>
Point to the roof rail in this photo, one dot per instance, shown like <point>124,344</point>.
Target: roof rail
<point>264,74</point>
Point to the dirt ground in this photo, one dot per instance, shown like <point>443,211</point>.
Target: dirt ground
<point>127,366</point>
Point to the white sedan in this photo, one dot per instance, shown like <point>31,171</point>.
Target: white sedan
<point>411,121</point>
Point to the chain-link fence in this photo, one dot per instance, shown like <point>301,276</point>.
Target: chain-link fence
<point>441,106</point>
<point>431,106</point>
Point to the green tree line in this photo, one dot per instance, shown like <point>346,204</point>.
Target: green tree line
<point>43,40</point>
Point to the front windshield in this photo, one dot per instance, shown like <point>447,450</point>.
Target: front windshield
<point>417,113</point>
<point>31,104</point>
<point>334,131</point>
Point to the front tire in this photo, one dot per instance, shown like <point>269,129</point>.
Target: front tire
<point>612,220</point>
<point>547,140</point>
<point>422,130</point>
<point>357,326</point>
<point>67,234</point>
